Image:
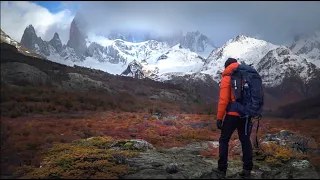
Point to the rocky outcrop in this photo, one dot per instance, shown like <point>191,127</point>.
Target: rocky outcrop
<point>134,70</point>
<point>133,144</point>
<point>95,50</point>
<point>79,82</point>
<point>187,163</point>
<point>22,74</point>
<point>294,141</point>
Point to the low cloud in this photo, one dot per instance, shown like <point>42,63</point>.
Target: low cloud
<point>17,15</point>
<point>276,22</point>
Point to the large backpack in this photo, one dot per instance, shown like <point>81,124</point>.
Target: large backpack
<point>246,86</point>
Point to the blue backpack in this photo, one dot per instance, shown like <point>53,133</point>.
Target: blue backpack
<point>246,86</point>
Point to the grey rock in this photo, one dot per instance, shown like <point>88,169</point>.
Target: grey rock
<point>169,118</point>
<point>172,168</point>
<point>21,73</point>
<point>285,134</point>
<point>154,97</point>
<point>295,141</point>
<point>140,144</point>
<point>95,50</point>
<point>185,163</point>
<point>169,95</point>
<point>79,82</point>
<point>156,116</point>
<point>301,164</point>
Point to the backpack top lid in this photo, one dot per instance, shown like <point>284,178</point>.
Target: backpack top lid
<point>246,68</point>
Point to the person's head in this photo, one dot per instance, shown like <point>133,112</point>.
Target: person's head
<point>229,61</point>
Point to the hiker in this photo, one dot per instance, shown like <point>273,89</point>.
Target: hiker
<point>229,119</point>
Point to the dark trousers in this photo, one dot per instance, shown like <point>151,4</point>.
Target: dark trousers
<point>244,127</point>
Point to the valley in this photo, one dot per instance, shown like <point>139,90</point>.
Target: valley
<point>100,107</point>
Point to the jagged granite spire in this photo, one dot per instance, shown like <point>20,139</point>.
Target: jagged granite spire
<point>56,42</point>
<point>31,41</point>
<point>29,37</point>
<point>77,37</point>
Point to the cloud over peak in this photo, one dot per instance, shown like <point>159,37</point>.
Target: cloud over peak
<point>17,15</point>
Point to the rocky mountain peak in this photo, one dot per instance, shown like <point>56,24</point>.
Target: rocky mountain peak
<point>240,37</point>
<point>56,42</point>
<point>245,49</point>
<point>56,36</point>
<point>30,29</point>
<point>29,37</point>
<point>134,70</point>
<point>308,46</point>
<point>281,63</point>
<point>77,39</point>
<point>31,41</point>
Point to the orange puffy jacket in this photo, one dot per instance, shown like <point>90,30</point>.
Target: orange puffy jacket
<point>226,95</point>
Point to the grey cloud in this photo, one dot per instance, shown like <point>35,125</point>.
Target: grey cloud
<point>276,22</point>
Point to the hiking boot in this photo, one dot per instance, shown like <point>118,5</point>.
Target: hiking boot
<point>245,173</point>
<point>220,174</point>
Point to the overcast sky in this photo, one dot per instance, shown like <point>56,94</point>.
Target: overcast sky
<point>276,22</point>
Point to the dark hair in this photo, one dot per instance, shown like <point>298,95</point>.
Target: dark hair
<point>229,61</point>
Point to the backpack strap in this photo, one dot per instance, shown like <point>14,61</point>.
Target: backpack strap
<point>257,141</point>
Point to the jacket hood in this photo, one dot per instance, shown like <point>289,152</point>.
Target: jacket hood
<point>230,69</point>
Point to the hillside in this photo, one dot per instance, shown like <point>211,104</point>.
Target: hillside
<point>305,109</point>
<point>45,74</point>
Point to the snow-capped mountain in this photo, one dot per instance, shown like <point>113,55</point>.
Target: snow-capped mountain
<point>134,36</point>
<point>179,60</point>
<point>308,46</point>
<point>274,63</point>
<point>198,42</point>
<point>51,50</point>
<point>174,55</point>
<point>195,41</point>
<point>120,51</point>
<point>245,49</point>
<point>281,63</point>
<point>114,56</point>
<point>175,60</point>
